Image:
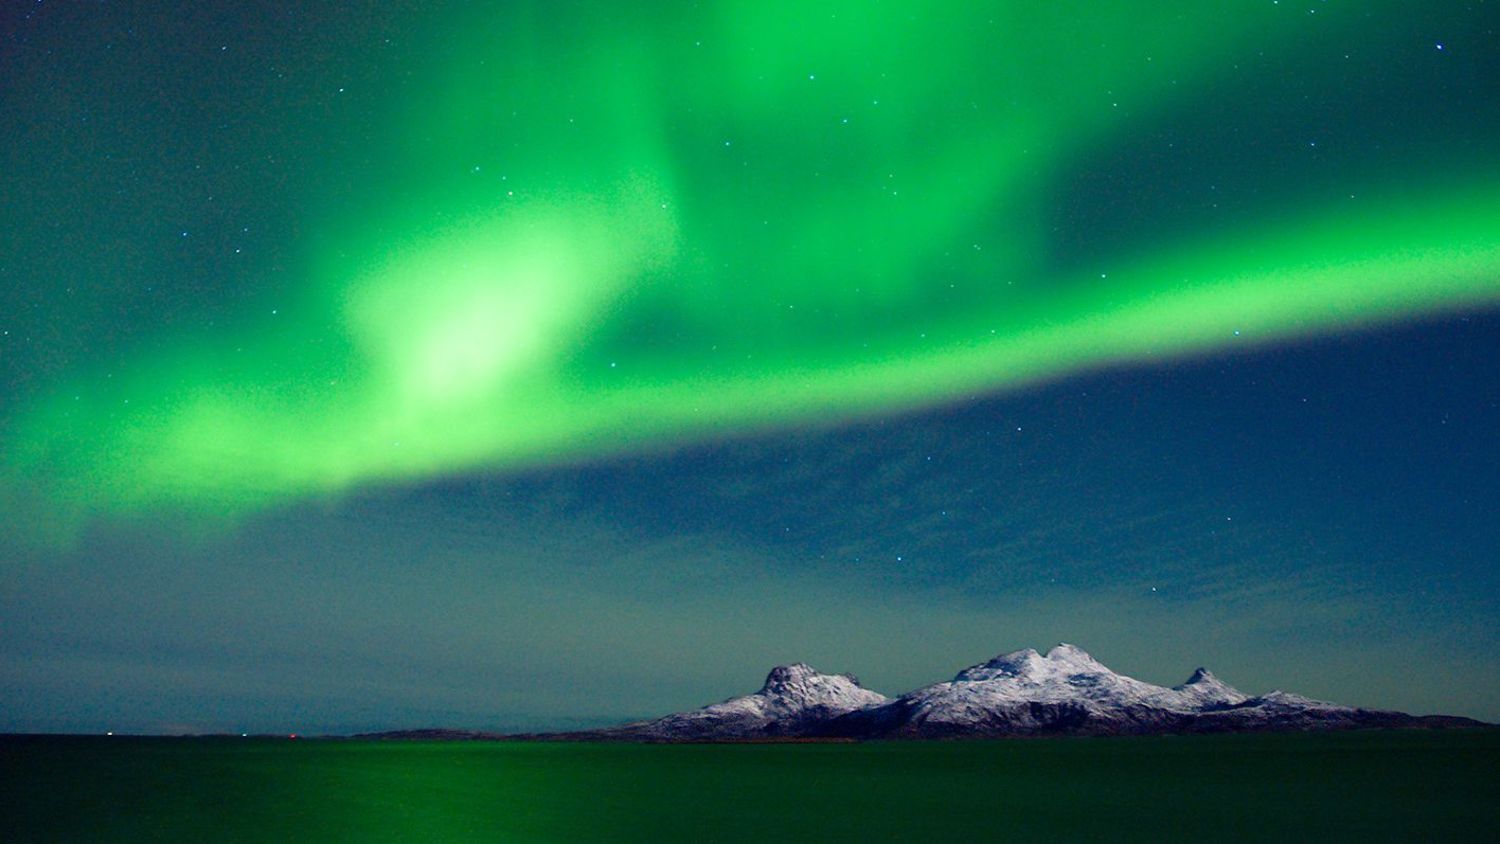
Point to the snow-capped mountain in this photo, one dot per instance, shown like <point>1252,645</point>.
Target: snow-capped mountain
<point>794,700</point>
<point>1022,693</point>
<point>1062,692</point>
<point>1025,692</point>
<point>1066,691</point>
<point>1207,690</point>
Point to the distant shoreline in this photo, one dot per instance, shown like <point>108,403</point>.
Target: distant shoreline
<point>479,736</point>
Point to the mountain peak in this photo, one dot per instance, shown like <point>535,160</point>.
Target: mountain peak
<point>1029,664</point>
<point>1064,652</point>
<point>793,698</point>
<point>1020,663</point>
<point>800,685</point>
<point>783,676</point>
<point>1205,688</point>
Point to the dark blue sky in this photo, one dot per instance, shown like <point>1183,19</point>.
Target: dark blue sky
<point>1317,516</point>
<point>511,364</point>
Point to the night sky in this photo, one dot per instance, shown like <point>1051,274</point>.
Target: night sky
<point>519,365</point>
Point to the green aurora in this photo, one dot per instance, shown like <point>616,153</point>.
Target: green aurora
<point>590,233</point>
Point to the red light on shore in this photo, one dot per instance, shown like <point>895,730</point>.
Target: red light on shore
<point>292,736</point>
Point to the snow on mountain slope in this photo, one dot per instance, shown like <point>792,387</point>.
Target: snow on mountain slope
<point>1062,692</point>
<point>1209,691</point>
<point>793,699</point>
<point>1068,691</point>
<point>1067,674</point>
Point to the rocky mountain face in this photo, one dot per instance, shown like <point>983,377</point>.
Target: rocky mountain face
<point>1023,693</point>
<point>795,700</point>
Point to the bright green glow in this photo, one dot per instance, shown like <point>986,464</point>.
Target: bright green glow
<point>760,214</point>
<point>470,313</point>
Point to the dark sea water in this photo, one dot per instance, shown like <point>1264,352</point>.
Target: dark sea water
<point>1391,786</point>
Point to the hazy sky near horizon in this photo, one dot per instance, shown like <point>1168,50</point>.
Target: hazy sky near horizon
<point>522,365</point>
